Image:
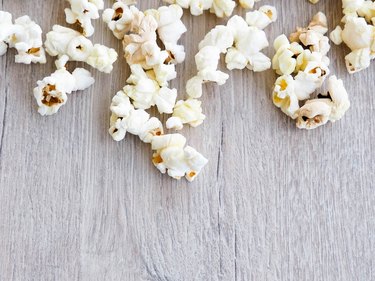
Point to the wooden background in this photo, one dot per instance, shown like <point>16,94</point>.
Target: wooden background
<point>274,203</point>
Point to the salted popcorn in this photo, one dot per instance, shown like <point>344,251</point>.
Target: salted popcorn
<point>68,44</point>
<point>262,17</point>
<point>357,33</point>
<point>186,112</point>
<point>172,157</point>
<point>25,36</point>
<point>329,107</point>
<point>51,92</point>
<point>81,12</point>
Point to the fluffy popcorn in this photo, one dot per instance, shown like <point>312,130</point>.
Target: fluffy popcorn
<point>170,29</point>
<point>329,107</point>
<point>248,43</point>
<point>262,18</point>
<point>303,66</point>
<point>357,33</point>
<point>25,36</point>
<point>221,8</point>
<point>173,158</point>
<point>247,4</point>
<point>145,92</point>
<point>186,112</point>
<point>125,118</point>
<point>122,19</point>
<point>81,12</point>
<point>242,45</point>
<point>313,36</point>
<point>6,31</point>
<point>51,92</point>
<point>68,44</point>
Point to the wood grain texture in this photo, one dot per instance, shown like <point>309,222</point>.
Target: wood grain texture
<point>274,203</point>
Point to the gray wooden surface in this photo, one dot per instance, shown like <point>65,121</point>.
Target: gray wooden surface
<point>274,203</point>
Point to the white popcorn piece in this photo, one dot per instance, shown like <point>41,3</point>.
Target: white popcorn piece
<point>262,17</point>
<point>221,8</point>
<point>51,92</point>
<point>357,33</point>
<point>145,91</point>
<point>81,12</point>
<point>247,4</point>
<point>125,118</point>
<point>170,29</point>
<point>173,158</point>
<point>248,43</point>
<point>6,31</point>
<point>186,112</point>
<point>25,36</point>
<point>69,45</point>
<point>314,114</point>
<point>122,19</point>
<point>329,107</point>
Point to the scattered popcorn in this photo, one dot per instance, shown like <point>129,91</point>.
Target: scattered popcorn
<point>303,66</point>
<point>263,17</point>
<point>81,12</point>
<point>186,112</point>
<point>173,158</point>
<point>357,34</point>
<point>25,36</point>
<point>51,92</point>
<point>68,44</point>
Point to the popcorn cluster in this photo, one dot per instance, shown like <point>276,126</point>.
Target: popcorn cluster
<point>221,8</point>
<point>148,85</point>
<point>24,35</point>
<point>303,67</point>
<point>70,45</point>
<point>242,42</point>
<point>81,12</point>
<point>358,33</point>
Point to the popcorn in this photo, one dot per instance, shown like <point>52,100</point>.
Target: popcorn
<point>68,44</point>
<point>173,158</point>
<point>25,36</point>
<point>146,92</point>
<point>125,118</point>
<point>51,92</point>
<point>186,112</point>
<point>242,45</point>
<point>81,12</point>
<point>262,18</point>
<point>221,8</point>
<point>303,66</point>
<point>170,29</point>
<point>357,34</point>
<point>248,4</point>
<point>6,31</point>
